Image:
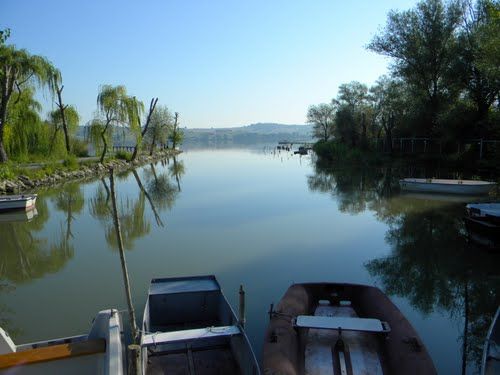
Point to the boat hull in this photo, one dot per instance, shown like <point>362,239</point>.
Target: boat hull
<point>285,346</point>
<point>17,202</point>
<point>463,187</point>
<point>189,327</point>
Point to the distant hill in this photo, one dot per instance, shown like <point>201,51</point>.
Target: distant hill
<point>250,134</point>
<point>241,135</point>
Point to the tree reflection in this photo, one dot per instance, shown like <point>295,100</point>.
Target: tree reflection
<point>431,263</point>
<point>158,192</point>
<point>25,256</point>
<point>435,268</point>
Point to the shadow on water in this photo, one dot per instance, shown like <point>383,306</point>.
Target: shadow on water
<point>431,263</point>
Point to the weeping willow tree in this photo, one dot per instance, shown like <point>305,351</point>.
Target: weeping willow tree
<point>135,109</point>
<point>67,121</point>
<point>115,109</point>
<point>19,70</point>
<point>112,111</point>
<point>24,132</point>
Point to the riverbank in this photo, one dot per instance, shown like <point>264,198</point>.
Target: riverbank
<point>336,153</point>
<point>31,181</point>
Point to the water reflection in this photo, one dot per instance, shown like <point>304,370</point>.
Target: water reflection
<point>431,263</point>
<point>25,255</point>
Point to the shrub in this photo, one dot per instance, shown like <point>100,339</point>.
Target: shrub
<point>71,162</point>
<point>80,148</point>
<point>123,155</point>
<point>6,172</point>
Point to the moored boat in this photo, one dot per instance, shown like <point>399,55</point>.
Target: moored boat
<point>98,352</point>
<point>190,328</point>
<point>446,186</point>
<point>491,353</point>
<point>17,202</point>
<point>329,328</point>
<point>482,221</point>
<point>484,211</point>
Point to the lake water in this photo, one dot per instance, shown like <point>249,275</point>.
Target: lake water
<point>252,217</point>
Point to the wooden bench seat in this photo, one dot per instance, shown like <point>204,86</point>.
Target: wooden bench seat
<point>344,323</point>
<point>52,353</point>
<point>188,334</point>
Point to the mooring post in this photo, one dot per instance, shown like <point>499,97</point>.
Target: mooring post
<point>242,306</point>
<point>134,359</point>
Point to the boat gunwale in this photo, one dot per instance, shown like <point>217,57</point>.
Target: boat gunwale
<point>284,350</point>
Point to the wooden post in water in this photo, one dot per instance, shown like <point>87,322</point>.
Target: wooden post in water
<point>242,307</point>
<point>134,350</point>
<point>481,149</point>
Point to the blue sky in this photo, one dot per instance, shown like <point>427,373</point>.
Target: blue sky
<point>218,63</point>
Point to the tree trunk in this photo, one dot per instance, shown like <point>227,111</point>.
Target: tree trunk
<point>3,154</point>
<point>135,368</point>
<point>152,107</point>
<point>105,148</point>
<point>151,148</point>
<point>63,117</point>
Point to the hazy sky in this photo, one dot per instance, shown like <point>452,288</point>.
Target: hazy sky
<point>218,63</point>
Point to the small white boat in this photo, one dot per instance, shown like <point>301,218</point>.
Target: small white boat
<point>190,328</point>
<point>446,186</point>
<point>99,352</point>
<point>17,202</point>
<point>491,352</point>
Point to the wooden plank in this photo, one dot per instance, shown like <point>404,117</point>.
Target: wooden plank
<point>345,323</point>
<point>53,352</point>
<point>189,334</point>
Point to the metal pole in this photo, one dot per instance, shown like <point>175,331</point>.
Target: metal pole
<point>242,306</point>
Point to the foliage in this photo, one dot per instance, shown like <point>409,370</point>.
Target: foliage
<point>160,127</point>
<point>79,148</point>
<point>123,155</point>
<point>71,162</point>
<point>322,117</point>
<point>19,71</point>
<point>55,123</point>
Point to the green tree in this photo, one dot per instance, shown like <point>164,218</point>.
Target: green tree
<point>113,110</point>
<point>66,120</point>
<point>176,135</point>
<point>351,117</point>
<point>389,98</point>
<point>161,125</point>
<point>478,59</point>
<point>322,117</point>
<point>422,43</point>
<point>19,70</point>
<point>145,129</point>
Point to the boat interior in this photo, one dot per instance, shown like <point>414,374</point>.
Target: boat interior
<point>99,352</point>
<point>191,329</point>
<point>332,328</point>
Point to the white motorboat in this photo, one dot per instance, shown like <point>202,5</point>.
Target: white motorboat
<point>17,202</point>
<point>99,352</point>
<point>446,186</point>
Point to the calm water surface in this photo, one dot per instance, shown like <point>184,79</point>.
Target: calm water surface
<point>255,218</point>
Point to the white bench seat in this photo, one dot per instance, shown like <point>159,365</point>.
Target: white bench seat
<point>189,334</point>
<point>344,323</point>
